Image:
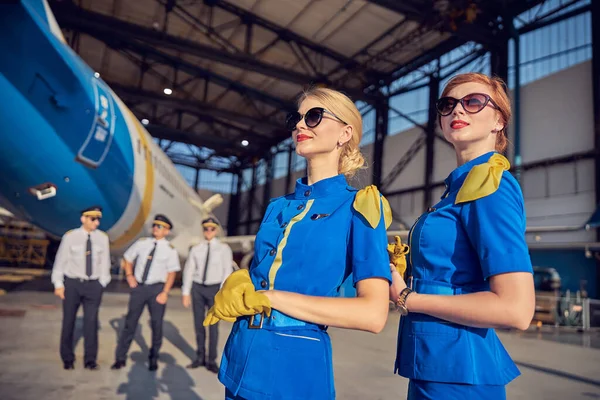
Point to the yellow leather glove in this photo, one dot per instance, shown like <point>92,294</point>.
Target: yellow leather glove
<point>237,298</point>
<point>398,252</point>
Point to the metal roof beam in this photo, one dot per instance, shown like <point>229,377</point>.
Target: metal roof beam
<point>245,133</point>
<point>197,164</point>
<point>192,106</point>
<point>549,21</point>
<point>475,31</point>
<point>449,44</point>
<point>221,146</point>
<point>424,59</point>
<point>406,8</point>
<point>79,19</point>
<point>285,34</point>
<point>151,53</point>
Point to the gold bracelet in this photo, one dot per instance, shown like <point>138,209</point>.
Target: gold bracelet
<point>401,300</point>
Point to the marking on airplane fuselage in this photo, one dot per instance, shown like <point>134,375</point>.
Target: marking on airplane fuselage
<point>146,201</point>
<point>171,195</point>
<point>97,144</point>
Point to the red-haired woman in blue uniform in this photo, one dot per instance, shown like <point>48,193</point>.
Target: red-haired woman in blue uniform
<point>309,242</point>
<point>469,269</point>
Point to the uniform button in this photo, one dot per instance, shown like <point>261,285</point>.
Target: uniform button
<point>273,252</point>
<point>263,284</point>
<point>431,209</point>
<point>300,207</point>
<point>284,224</point>
<point>307,193</point>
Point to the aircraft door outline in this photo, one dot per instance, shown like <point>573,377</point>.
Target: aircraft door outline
<point>96,146</point>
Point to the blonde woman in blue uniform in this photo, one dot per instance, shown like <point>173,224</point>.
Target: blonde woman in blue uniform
<point>469,267</point>
<point>309,242</point>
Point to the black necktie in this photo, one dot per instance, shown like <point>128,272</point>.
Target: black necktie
<point>88,257</point>
<point>206,262</point>
<point>148,263</point>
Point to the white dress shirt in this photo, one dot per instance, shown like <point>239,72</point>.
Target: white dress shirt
<point>70,258</point>
<point>164,260</point>
<point>220,265</point>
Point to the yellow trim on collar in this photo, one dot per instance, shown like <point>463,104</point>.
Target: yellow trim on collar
<point>483,179</point>
<point>278,261</point>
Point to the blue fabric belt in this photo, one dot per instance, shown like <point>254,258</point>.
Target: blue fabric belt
<point>443,288</point>
<point>279,320</point>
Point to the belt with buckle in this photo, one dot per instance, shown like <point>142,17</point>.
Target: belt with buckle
<point>81,279</point>
<point>149,284</point>
<point>278,320</point>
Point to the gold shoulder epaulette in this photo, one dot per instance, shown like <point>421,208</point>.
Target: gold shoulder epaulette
<point>367,202</point>
<point>483,179</point>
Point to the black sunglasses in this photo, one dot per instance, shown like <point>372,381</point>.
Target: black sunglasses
<point>471,103</point>
<point>209,229</point>
<point>157,226</point>
<point>94,219</point>
<point>312,118</point>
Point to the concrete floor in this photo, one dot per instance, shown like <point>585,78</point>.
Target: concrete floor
<point>30,366</point>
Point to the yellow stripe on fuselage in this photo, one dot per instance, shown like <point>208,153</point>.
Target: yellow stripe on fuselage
<point>279,256</point>
<point>146,203</point>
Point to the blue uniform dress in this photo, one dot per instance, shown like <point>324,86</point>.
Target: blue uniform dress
<point>455,249</point>
<point>309,242</point>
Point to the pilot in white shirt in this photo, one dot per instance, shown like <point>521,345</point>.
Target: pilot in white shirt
<point>156,263</point>
<point>81,272</point>
<point>207,266</point>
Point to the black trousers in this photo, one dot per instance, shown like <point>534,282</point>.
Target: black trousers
<point>88,293</point>
<point>203,297</point>
<point>142,295</point>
